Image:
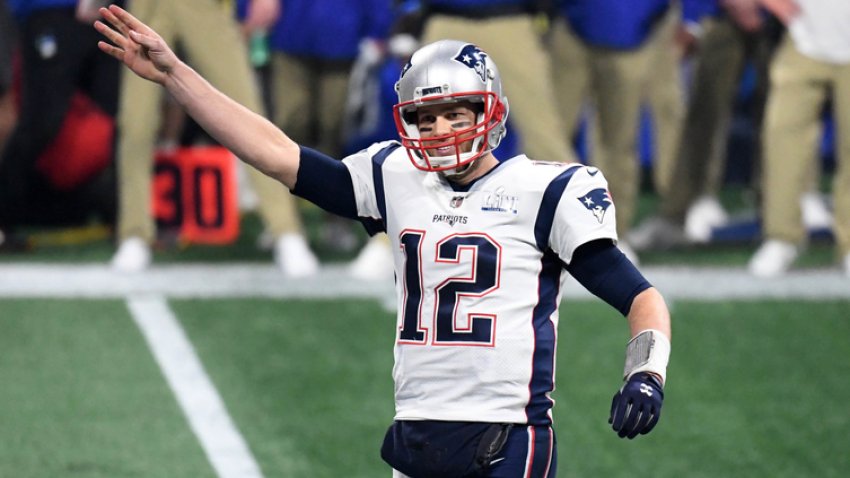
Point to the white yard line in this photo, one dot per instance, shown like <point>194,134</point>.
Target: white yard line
<point>198,398</point>
<point>260,280</point>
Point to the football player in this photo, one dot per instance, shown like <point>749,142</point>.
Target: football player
<point>482,248</point>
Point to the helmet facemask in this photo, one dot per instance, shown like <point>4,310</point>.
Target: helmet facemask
<point>424,152</point>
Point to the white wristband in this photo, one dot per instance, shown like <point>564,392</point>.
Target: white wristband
<point>648,351</point>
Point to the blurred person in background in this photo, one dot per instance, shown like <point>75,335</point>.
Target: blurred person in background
<point>42,181</point>
<point>608,51</point>
<point>718,38</point>
<point>209,33</point>
<point>725,38</point>
<point>664,99</point>
<point>810,67</point>
<point>314,46</point>
<point>8,40</point>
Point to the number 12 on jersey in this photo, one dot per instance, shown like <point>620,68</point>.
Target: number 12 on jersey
<point>483,259</point>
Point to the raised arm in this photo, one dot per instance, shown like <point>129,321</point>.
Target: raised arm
<point>248,135</point>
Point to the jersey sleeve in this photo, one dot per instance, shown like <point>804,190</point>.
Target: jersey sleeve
<point>366,170</point>
<point>585,213</point>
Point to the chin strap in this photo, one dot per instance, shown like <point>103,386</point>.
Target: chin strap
<point>454,173</point>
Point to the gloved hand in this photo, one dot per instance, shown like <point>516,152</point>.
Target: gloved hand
<point>637,405</point>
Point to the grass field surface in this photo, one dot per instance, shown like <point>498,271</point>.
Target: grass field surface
<point>756,388</point>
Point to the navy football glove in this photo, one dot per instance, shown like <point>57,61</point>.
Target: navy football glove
<point>637,406</point>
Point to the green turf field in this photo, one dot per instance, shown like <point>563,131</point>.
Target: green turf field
<point>756,389</point>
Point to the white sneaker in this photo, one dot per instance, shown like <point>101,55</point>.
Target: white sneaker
<point>655,233</point>
<point>773,258</point>
<point>703,216</point>
<point>294,257</point>
<point>374,262</point>
<point>815,213</point>
<point>630,253</point>
<point>133,255</point>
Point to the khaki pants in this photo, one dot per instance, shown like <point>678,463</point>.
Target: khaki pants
<point>525,69</point>
<point>213,43</point>
<point>570,73</point>
<point>699,164</point>
<point>304,88</point>
<point>799,88</point>
<point>665,98</point>
<point>616,82</point>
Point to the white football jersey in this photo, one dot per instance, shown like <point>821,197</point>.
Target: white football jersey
<point>479,273</point>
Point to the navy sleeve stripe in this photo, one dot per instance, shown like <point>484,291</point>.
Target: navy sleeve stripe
<point>378,178</point>
<point>546,214</point>
<point>606,272</point>
<point>325,182</point>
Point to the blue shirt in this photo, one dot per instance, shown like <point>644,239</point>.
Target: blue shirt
<point>695,10</point>
<point>617,24</point>
<point>471,8</point>
<point>469,5</point>
<point>330,29</point>
<point>22,8</point>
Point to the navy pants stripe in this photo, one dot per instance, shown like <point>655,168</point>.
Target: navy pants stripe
<point>530,453</point>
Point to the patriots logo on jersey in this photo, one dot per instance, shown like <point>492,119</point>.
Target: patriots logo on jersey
<point>472,56</point>
<point>450,219</point>
<point>597,202</point>
<point>456,202</point>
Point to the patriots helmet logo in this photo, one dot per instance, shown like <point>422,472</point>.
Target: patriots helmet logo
<point>597,202</point>
<point>405,68</point>
<point>472,56</point>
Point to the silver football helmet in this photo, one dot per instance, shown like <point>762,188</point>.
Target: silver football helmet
<point>450,71</point>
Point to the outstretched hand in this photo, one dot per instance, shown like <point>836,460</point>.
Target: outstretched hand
<point>135,44</point>
<point>637,405</point>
